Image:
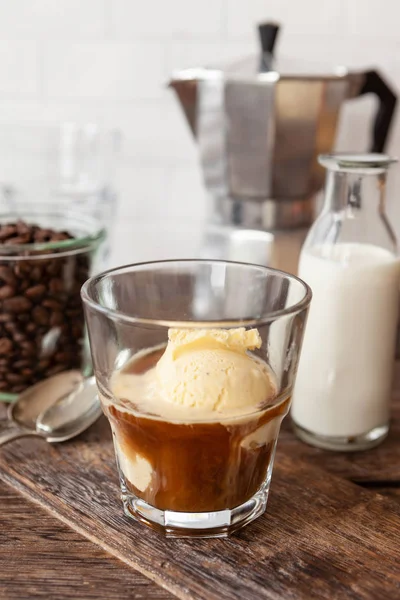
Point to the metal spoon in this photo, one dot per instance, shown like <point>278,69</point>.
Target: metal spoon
<point>72,414</point>
<point>35,412</point>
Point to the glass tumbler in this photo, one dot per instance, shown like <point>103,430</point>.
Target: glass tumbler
<point>185,475</point>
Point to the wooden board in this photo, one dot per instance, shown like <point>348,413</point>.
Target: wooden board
<point>40,557</point>
<point>322,537</point>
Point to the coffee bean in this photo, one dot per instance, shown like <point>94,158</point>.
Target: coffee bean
<point>17,389</point>
<point>40,315</point>
<point>75,301</point>
<point>14,378</point>
<point>18,337</point>
<point>10,327</point>
<point>31,327</point>
<point>56,318</point>
<point>73,313</point>
<point>28,348</point>
<point>36,274</point>
<point>52,304</point>
<point>41,330</point>
<point>43,364</point>
<point>27,372</point>
<point>53,268</point>
<point>42,235</point>
<point>62,357</point>
<point>23,228</point>
<point>22,269</point>
<point>56,286</point>
<point>60,236</point>
<point>17,240</point>
<point>65,329</point>
<point>7,231</point>
<point>5,345</point>
<point>17,304</point>
<point>34,292</point>
<point>23,286</point>
<point>24,318</point>
<point>7,291</point>
<point>54,370</point>
<point>21,364</point>
<point>7,275</point>
<point>77,330</point>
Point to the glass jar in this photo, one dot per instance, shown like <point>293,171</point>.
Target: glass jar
<point>350,260</point>
<point>42,330</point>
<point>66,166</point>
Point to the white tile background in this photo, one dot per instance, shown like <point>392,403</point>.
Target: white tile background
<point>109,61</point>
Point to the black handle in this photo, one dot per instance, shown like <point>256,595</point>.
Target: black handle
<point>268,33</point>
<point>374,84</point>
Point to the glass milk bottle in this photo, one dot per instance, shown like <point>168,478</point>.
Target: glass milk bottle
<point>350,259</point>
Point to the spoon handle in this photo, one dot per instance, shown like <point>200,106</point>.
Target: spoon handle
<point>9,431</point>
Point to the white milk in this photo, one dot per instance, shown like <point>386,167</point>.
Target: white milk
<point>344,380</point>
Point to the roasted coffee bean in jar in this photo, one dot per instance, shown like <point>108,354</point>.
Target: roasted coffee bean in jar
<point>42,329</point>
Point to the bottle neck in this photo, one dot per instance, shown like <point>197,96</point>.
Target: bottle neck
<point>361,192</point>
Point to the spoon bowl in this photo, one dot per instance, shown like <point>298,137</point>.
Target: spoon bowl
<point>71,414</point>
<point>57,409</point>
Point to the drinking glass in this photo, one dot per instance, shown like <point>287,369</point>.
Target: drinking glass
<point>183,477</point>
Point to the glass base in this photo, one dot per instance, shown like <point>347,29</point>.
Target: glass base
<point>218,524</point>
<point>364,441</point>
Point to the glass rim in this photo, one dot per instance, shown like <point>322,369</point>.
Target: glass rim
<point>61,247</point>
<point>117,315</point>
<point>357,162</point>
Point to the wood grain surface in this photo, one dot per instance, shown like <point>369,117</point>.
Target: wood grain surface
<point>40,557</point>
<point>322,537</point>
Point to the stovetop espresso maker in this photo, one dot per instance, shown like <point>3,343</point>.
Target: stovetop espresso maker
<point>260,125</point>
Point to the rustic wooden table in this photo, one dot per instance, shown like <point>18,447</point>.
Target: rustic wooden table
<point>331,532</point>
<point>41,557</point>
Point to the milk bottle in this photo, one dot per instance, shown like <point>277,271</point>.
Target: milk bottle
<point>342,393</point>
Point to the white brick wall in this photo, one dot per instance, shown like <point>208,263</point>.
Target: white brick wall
<point>63,19</point>
<point>109,61</point>
<point>299,17</point>
<point>134,18</point>
<point>104,70</point>
<point>19,73</point>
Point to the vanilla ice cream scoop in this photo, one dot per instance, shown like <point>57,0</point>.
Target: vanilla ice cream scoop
<point>211,369</point>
